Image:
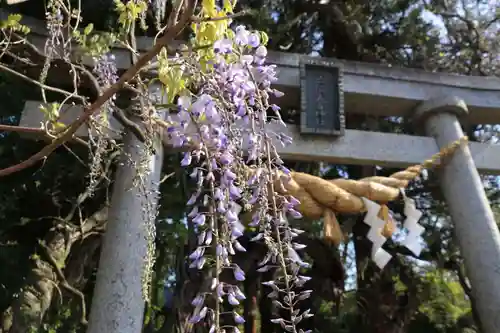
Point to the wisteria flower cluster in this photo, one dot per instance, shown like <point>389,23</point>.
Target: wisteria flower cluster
<point>222,122</point>
<point>235,162</point>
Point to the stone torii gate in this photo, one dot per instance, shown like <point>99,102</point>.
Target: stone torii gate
<point>436,103</point>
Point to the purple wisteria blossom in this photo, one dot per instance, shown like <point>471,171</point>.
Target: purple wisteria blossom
<point>224,127</point>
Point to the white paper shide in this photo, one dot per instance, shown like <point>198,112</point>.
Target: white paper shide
<point>412,240</point>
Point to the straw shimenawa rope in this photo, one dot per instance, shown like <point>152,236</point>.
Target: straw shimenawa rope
<point>320,198</point>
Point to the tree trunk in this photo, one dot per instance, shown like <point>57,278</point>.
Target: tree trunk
<point>25,315</point>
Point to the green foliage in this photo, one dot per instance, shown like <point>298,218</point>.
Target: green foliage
<point>130,12</point>
<point>13,24</point>
<point>447,301</point>
<point>95,44</point>
<point>51,115</point>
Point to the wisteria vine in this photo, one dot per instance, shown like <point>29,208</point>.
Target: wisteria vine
<point>235,163</point>
<point>222,89</point>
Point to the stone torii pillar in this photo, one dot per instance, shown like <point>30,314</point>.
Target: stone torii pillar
<point>475,227</point>
<point>118,303</point>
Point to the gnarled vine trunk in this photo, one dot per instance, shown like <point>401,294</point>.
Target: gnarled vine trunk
<point>26,313</point>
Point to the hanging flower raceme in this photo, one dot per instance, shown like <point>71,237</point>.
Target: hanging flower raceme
<point>224,127</point>
<point>105,70</point>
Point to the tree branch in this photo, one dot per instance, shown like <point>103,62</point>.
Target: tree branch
<point>41,85</point>
<point>21,129</point>
<point>127,76</point>
<point>221,18</point>
<point>24,129</point>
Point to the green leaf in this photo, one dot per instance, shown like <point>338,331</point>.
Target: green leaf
<point>88,29</point>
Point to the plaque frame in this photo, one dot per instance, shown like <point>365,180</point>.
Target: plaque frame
<point>334,69</point>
